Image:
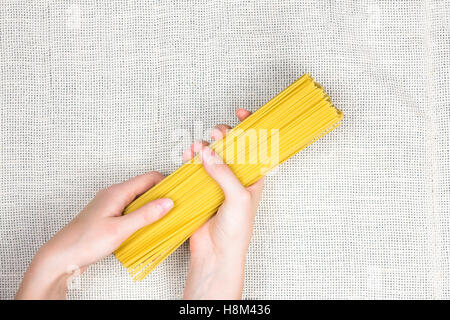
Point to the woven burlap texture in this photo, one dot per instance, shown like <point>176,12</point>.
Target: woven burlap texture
<point>95,92</point>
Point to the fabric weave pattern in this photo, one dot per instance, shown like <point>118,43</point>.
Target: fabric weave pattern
<point>95,92</point>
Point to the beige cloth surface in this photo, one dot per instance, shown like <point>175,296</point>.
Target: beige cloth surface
<point>91,93</point>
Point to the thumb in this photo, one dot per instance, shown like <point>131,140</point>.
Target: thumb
<point>145,215</point>
<point>222,174</point>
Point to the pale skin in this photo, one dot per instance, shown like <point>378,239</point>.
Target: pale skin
<point>218,249</point>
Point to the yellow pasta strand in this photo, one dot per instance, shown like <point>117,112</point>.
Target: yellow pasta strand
<point>292,120</point>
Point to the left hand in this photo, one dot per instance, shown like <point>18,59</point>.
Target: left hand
<point>94,233</point>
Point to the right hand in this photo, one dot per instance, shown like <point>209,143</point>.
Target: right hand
<point>219,247</point>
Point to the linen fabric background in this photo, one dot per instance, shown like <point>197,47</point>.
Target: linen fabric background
<point>95,92</point>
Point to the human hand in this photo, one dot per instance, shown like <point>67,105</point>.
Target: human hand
<point>93,234</point>
<point>219,247</point>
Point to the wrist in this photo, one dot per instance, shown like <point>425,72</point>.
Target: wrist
<point>215,277</point>
<point>45,278</point>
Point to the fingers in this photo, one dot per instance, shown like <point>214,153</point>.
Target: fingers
<point>222,174</point>
<point>141,183</point>
<point>118,196</point>
<point>219,131</point>
<point>196,147</point>
<point>242,114</point>
<point>145,215</point>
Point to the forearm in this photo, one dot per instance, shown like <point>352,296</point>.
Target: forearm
<point>215,278</point>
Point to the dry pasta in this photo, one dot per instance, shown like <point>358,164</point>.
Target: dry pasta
<point>292,120</point>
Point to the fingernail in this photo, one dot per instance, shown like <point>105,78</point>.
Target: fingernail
<point>197,146</point>
<point>216,134</point>
<point>210,157</point>
<point>165,205</point>
<point>187,155</point>
<point>207,154</point>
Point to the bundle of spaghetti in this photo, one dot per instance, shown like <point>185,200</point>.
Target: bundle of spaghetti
<point>288,123</point>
